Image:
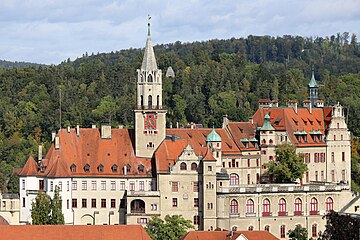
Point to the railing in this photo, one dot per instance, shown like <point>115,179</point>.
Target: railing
<point>282,213</point>
<point>298,213</point>
<point>266,214</point>
<point>143,193</point>
<point>138,210</point>
<point>139,107</point>
<point>314,212</point>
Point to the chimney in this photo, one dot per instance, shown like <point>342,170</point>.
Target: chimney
<point>177,124</point>
<point>68,129</point>
<point>121,126</point>
<point>225,121</point>
<point>319,103</point>
<point>40,153</point>
<point>293,104</point>
<point>53,134</point>
<point>251,120</point>
<point>192,125</point>
<point>93,126</point>
<point>78,130</point>
<point>171,125</point>
<point>57,142</point>
<point>125,169</point>
<point>105,131</point>
<point>307,104</point>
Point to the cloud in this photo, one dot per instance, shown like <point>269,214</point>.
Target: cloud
<point>49,31</point>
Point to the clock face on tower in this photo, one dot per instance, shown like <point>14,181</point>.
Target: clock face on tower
<point>150,121</point>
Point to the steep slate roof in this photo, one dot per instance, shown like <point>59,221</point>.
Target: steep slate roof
<point>224,235</point>
<point>74,232</point>
<point>286,119</point>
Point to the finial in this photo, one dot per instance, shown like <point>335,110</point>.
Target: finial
<point>149,17</point>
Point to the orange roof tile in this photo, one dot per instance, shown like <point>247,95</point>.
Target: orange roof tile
<point>3,221</point>
<point>74,232</point>
<point>239,130</point>
<point>224,235</point>
<point>30,168</point>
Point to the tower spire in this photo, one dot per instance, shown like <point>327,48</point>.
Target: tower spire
<point>149,60</point>
<point>149,17</point>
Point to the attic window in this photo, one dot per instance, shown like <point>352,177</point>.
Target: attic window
<point>114,168</point>
<point>87,168</point>
<point>73,168</point>
<point>100,168</point>
<point>277,121</point>
<point>141,168</point>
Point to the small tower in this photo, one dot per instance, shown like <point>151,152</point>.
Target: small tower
<point>213,141</point>
<point>150,121</point>
<point>313,90</point>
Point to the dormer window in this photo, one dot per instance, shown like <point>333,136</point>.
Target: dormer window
<point>141,168</point>
<point>87,168</point>
<point>114,168</point>
<point>73,168</point>
<point>100,168</point>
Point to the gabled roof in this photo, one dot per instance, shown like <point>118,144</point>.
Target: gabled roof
<point>74,232</point>
<point>226,235</point>
<point>242,130</point>
<point>30,168</point>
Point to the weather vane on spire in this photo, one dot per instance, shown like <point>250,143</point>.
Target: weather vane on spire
<point>149,17</point>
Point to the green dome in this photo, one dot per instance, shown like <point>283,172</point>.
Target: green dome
<point>213,136</point>
<point>267,125</point>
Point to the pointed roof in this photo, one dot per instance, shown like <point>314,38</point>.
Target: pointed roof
<point>312,82</point>
<point>267,125</point>
<point>149,60</point>
<point>30,168</point>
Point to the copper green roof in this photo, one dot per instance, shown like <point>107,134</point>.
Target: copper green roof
<point>312,82</point>
<point>213,136</point>
<point>253,140</point>
<point>244,140</point>
<point>267,125</point>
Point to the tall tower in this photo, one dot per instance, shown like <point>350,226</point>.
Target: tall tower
<point>150,115</point>
<point>313,90</point>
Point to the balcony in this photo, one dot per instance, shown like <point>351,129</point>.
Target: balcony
<point>143,193</point>
<point>138,210</point>
<point>266,214</point>
<point>314,212</point>
<point>298,213</point>
<point>282,213</point>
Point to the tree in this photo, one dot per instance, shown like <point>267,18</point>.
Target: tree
<point>40,212</point>
<point>174,227</point>
<point>341,226</point>
<point>56,217</point>
<point>288,165</point>
<point>298,233</point>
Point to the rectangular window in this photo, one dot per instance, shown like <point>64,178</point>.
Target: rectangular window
<point>67,204</point>
<point>122,185</point>
<point>23,202</point>
<point>103,185</point>
<point>307,177</point>
<point>93,202</point>
<point>150,185</point>
<point>196,186</point>
<point>343,175</point>
<point>60,186</point>
<point>68,186</point>
<point>322,176</point>
<point>196,202</point>
<point>196,220</point>
<point>93,185</point>
<point>74,203</point>
<point>84,203</point>
<point>233,163</point>
<point>174,202</point>
<point>141,186</point>
<point>154,207</point>
<point>132,186</point>
<point>209,168</point>
<point>113,185</point>
<point>23,184</point>
<point>103,203</point>
<point>142,220</point>
<point>332,157</point>
<point>74,185</point>
<point>248,179</point>
<point>51,186</point>
<point>316,176</point>
<point>41,184</point>
<point>84,185</point>
<point>343,156</point>
<point>333,175</point>
<point>174,186</point>
<point>113,203</point>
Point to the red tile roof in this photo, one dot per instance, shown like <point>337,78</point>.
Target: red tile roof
<point>224,235</point>
<point>74,232</point>
<point>30,168</point>
<point>239,130</point>
<point>3,221</point>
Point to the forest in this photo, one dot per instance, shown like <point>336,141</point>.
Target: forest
<point>212,78</point>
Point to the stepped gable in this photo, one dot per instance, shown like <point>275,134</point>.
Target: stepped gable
<point>30,168</point>
<point>243,130</point>
<point>286,119</point>
<point>197,138</point>
<point>89,148</point>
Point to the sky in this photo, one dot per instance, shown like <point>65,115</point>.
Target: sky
<point>51,31</point>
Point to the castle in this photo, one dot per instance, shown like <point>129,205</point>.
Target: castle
<point>213,176</point>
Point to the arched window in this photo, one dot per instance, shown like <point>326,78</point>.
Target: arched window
<point>271,141</point>
<point>329,204</point>
<point>194,166</point>
<point>100,168</point>
<point>298,207</point>
<point>282,207</point>
<point>157,100</point>
<point>114,168</point>
<point>250,206</point>
<point>73,168</point>
<point>314,230</point>
<point>234,179</point>
<point>87,168</point>
<point>234,207</point>
<point>149,100</point>
<point>263,141</point>
<point>313,206</point>
<point>234,228</point>
<point>137,206</point>
<point>250,228</point>
<point>282,231</point>
<point>266,207</point>
<point>150,78</point>
<point>183,166</point>
<point>267,228</point>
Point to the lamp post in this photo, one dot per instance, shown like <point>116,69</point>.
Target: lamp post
<point>110,213</point>
<point>95,212</point>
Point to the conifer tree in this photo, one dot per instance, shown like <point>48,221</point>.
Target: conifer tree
<point>40,212</point>
<point>56,217</point>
